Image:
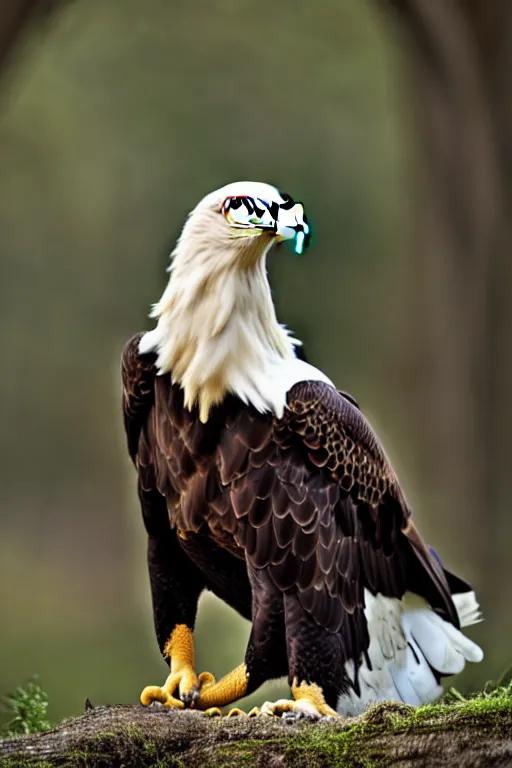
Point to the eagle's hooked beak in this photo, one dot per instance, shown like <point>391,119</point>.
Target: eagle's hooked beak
<point>292,224</point>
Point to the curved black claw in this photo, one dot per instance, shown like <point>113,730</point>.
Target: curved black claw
<point>189,698</point>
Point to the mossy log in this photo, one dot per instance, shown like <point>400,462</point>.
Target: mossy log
<point>473,733</point>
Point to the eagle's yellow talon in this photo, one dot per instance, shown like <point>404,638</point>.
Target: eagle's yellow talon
<point>173,703</point>
<point>301,707</point>
<point>236,712</point>
<point>188,685</point>
<point>213,712</point>
<point>254,712</point>
<point>227,690</point>
<point>275,707</point>
<point>181,689</point>
<point>163,695</point>
<point>308,701</point>
<point>206,679</point>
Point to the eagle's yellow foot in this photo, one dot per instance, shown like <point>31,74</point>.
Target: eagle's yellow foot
<point>308,703</point>
<point>181,689</point>
<point>213,694</point>
<point>164,694</point>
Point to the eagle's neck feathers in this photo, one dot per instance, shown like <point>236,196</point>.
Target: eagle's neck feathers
<point>217,329</point>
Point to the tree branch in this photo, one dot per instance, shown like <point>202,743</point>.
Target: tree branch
<point>474,733</point>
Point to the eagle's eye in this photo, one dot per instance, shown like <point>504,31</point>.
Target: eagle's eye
<point>250,213</point>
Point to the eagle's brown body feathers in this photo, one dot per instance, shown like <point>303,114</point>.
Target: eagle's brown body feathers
<point>306,508</point>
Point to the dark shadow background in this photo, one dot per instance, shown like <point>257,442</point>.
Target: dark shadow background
<point>390,120</point>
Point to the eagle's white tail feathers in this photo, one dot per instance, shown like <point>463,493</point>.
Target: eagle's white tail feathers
<point>413,678</point>
<point>407,642</point>
<point>467,608</point>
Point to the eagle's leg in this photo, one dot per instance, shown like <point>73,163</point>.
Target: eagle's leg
<point>231,687</point>
<point>176,584</point>
<point>179,650</point>
<point>261,663</point>
<point>316,673</point>
<point>265,656</point>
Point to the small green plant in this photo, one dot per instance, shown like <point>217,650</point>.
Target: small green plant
<point>27,708</point>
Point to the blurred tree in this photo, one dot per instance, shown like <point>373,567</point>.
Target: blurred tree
<point>459,67</point>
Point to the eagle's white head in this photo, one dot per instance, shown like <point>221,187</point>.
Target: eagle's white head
<point>217,330</point>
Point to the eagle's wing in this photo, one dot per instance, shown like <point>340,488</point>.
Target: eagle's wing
<point>320,508</point>
<point>138,376</point>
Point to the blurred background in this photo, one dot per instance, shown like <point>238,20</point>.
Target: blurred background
<point>392,120</point>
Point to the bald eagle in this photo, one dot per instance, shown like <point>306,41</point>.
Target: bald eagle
<point>260,481</point>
